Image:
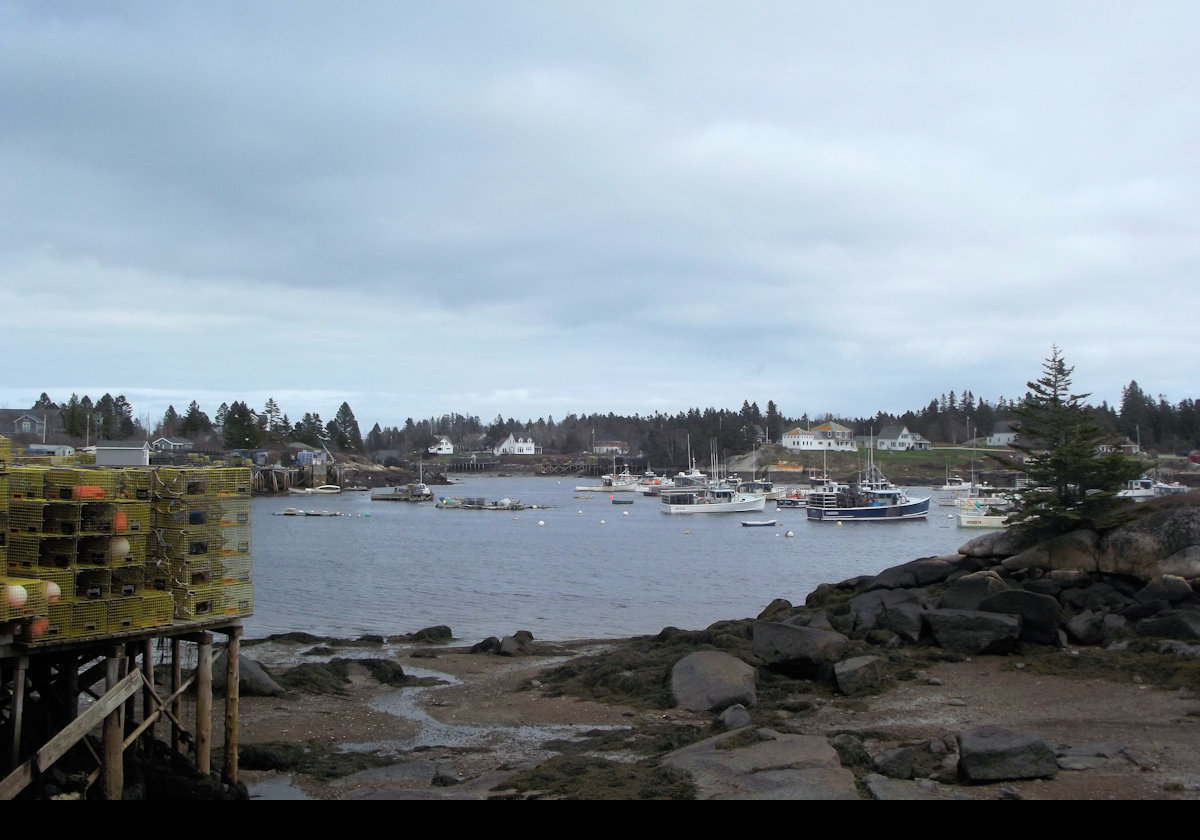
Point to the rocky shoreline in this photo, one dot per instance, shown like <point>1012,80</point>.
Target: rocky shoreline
<point>1019,668</point>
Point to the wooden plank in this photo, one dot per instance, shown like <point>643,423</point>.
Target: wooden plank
<point>67,737</point>
<point>232,690</point>
<point>114,765</point>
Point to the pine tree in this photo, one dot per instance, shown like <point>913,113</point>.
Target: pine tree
<point>1063,448</point>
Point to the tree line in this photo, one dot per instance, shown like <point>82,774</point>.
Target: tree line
<point>668,439</point>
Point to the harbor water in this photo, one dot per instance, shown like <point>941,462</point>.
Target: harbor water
<point>575,567</point>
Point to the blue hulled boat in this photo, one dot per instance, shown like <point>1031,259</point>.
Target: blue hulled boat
<point>873,499</point>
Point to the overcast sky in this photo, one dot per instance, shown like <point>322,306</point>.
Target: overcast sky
<point>535,209</point>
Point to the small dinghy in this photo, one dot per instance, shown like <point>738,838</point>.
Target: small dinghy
<point>758,523</point>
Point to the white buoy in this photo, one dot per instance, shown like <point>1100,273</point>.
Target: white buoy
<point>624,513</point>
<point>16,596</point>
<point>601,521</point>
<point>839,524</point>
<point>579,511</point>
<point>541,521</point>
<point>789,534</point>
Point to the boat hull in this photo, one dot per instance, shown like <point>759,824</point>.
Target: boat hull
<point>981,520</point>
<point>914,509</point>
<point>733,506</point>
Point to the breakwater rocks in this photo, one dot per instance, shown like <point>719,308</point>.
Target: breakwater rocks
<point>1006,593</point>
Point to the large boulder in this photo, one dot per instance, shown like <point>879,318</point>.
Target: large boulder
<point>803,651</point>
<point>253,679</point>
<point>898,610</point>
<point>709,680</point>
<point>1002,543</point>
<point>1040,614</point>
<point>1165,542</point>
<point>1076,551</point>
<point>921,572</point>
<point>966,592</point>
<point>974,631</point>
<point>994,754</point>
<point>858,675</point>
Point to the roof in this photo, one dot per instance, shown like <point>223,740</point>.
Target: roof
<point>121,444</point>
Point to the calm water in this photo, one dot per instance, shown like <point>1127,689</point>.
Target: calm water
<point>585,568</point>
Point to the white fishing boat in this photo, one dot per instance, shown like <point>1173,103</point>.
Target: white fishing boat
<point>1147,487</point>
<point>415,492</point>
<point>322,490</point>
<point>762,487</point>
<point>619,482</point>
<point>987,518</point>
<point>676,500</point>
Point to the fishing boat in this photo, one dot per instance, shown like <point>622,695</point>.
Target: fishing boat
<point>414,491</point>
<point>708,500</point>
<point>322,490</point>
<point>985,518</point>
<point>762,487</point>
<point>1147,487</point>
<point>872,499</point>
<point>797,497</point>
<point>417,491</point>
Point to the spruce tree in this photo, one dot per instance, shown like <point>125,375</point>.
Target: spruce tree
<point>1072,465</point>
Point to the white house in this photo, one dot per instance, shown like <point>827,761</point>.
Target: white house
<point>122,453</point>
<point>826,436</point>
<point>443,446</point>
<point>513,445</point>
<point>1003,434</point>
<point>900,439</point>
<point>611,447</point>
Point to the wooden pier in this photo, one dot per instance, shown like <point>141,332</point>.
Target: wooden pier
<point>55,694</point>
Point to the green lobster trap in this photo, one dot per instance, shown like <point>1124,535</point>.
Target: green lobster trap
<point>116,550</point>
<point>124,614</point>
<point>136,485</point>
<point>28,553</point>
<point>175,482</point>
<point>200,602</point>
<point>239,599</point>
<point>186,545</point>
<point>158,608</point>
<point>27,483</point>
<point>89,485</point>
<point>233,569</point>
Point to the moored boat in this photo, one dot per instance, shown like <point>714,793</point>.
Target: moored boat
<point>872,499</point>
<point>987,518</point>
<point>322,490</point>
<point>1147,487</point>
<point>708,500</point>
<point>298,512</point>
<point>417,491</point>
<point>758,523</point>
<point>476,503</point>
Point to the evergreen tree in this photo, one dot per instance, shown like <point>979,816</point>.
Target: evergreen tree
<point>169,425</point>
<point>75,420</point>
<point>195,422</point>
<point>241,431</point>
<point>348,435</point>
<point>1062,447</point>
<point>44,401</point>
